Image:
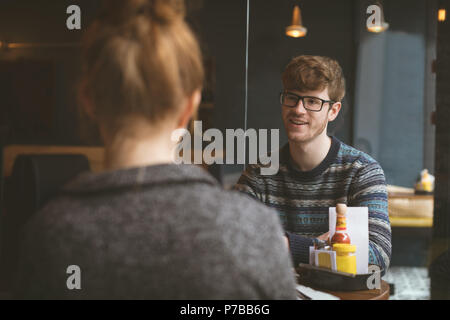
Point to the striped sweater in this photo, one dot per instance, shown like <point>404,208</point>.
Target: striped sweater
<point>302,199</point>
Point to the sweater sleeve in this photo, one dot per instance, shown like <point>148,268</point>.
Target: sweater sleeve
<point>299,248</point>
<point>368,189</point>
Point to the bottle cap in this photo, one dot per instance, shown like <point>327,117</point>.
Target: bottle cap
<point>341,208</point>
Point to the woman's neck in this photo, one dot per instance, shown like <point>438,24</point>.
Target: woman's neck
<point>131,153</point>
<point>138,147</point>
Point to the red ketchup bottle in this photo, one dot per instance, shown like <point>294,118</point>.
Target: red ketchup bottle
<point>341,236</point>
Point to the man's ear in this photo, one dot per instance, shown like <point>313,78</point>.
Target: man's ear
<point>191,106</point>
<point>334,111</point>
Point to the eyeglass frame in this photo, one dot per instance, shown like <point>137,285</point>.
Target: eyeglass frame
<point>331,102</point>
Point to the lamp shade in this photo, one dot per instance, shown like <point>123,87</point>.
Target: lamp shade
<point>296,30</point>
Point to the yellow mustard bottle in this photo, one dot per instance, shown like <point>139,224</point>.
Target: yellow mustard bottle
<point>345,257</point>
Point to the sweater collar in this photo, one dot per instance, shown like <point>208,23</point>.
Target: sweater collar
<point>331,156</point>
<point>148,176</point>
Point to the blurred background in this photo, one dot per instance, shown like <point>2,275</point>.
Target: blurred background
<point>396,108</point>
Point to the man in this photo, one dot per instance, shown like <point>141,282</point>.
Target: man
<point>317,171</point>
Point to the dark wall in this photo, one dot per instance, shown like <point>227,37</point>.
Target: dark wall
<point>44,21</point>
<point>441,225</point>
<point>440,269</point>
<point>390,91</point>
<point>401,155</point>
<point>221,29</point>
<point>220,26</point>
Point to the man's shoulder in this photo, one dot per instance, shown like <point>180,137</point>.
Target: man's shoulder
<point>350,155</point>
<point>363,166</point>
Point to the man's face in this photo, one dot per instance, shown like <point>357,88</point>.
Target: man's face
<point>303,125</point>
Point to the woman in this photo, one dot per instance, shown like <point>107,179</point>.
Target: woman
<point>146,228</point>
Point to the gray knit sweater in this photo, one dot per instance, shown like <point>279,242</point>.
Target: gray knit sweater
<point>157,232</point>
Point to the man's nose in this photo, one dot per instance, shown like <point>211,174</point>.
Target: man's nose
<point>300,108</point>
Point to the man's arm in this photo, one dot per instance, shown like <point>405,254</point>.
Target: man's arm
<point>299,248</point>
<point>369,190</point>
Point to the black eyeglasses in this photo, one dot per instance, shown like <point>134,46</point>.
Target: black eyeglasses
<point>309,103</point>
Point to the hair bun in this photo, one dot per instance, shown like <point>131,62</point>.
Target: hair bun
<point>161,11</point>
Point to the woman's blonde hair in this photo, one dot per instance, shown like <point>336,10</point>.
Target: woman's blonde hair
<point>141,59</point>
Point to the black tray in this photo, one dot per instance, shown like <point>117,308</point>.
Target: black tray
<point>326,279</point>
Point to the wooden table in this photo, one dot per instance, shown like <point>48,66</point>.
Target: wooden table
<point>410,210</point>
<point>376,294</point>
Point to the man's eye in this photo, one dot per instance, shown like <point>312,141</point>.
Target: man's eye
<point>312,102</point>
<point>291,98</point>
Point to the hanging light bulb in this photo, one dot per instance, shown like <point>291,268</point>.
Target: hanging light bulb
<point>296,30</point>
<point>377,24</point>
<point>377,29</point>
<point>442,13</point>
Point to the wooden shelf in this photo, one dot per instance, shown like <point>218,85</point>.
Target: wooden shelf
<point>410,196</point>
<point>10,152</point>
